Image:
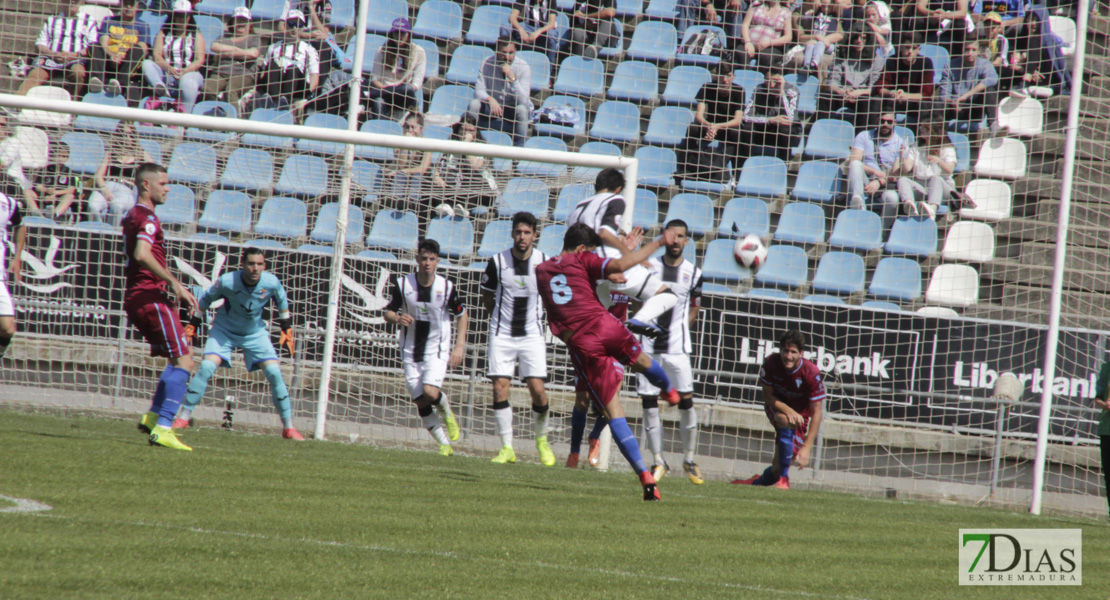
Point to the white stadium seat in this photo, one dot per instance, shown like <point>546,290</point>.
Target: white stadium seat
<point>28,116</point>
<point>969,241</point>
<point>1002,157</point>
<point>953,285</point>
<point>1065,28</point>
<point>34,147</point>
<point>993,200</point>
<point>1024,116</point>
<point>937,311</point>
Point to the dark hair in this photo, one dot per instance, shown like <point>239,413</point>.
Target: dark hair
<point>457,128</point>
<point>524,218</point>
<point>418,117</point>
<point>725,68</point>
<point>144,171</point>
<point>250,251</point>
<point>909,38</point>
<point>769,65</point>
<point>793,337</point>
<point>427,245</point>
<point>580,234</point>
<point>677,223</point>
<point>609,179</point>
<point>504,41</point>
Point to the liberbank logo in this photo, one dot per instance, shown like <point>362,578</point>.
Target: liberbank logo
<point>1021,557</point>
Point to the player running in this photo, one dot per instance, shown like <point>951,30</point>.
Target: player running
<point>510,297</point>
<point>150,309</point>
<point>792,395</point>
<point>599,346</point>
<point>11,220</point>
<point>423,303</point>
<point>239,324</point>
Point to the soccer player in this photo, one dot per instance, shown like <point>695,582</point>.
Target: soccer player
<point>423,303</point>
<point>792,396</point>
<point>672,350</point>
<point>11,220</point>
<point>150,308</point>
<point>510,297</point>
<point>598,344</point>
<point>239,324</point>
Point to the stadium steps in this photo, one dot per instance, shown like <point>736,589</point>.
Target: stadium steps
<point>1036,231</point>
<point>1040,275</point>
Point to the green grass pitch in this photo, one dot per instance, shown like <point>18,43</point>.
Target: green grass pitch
<point>253,516</point>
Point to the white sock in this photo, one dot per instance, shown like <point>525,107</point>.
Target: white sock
<point>653,431</point>
<point>185,413</point>
<point>443,407</point>
<point>540,424</point>
<point>688,427</point>
<point>504,418</point>
<point>434,426</point>
<point>655,306</point>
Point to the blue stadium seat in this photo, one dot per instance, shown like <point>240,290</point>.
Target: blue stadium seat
<point>750,215</point>
<point>383,12</point>
<point>151,130</point>
<point>303,175</point>
<point>684,83</point>
<point>454,234</point>
<point>153,148</point>
<point>342,14</point>
<point>438,20</point>
<point>211,28</point>
<point>801,223</point>
<point>762,176</point>
<point>646,211</point>
<point>857,230</point>
<point>663,10</point>
<point>963,151</point>
<point>839,273</point>
<point>270,10</point>
<point>497,237</point>
<point>635,81</point>
<point>530,168</point>
<point>369,51</point>
<point>227,210</point>
<point>578,128</point>
<point>223,8</point>
<point>768,293</point>
<point>499,138</point>
<point>523,193</point>
<point>327,121</point>
<point>541,69</point>
<point>394,229</point>
<point>830,139</point>
<point>818,181</point>
<point>668,125</point>
<point>365,175</point>
<point>485,24</point>
<point>896,278</point>
<point>656,41</point>
<point>325,228</point>
<point>702,59</point>
<point>248,169</point>
<point>657,166</point>
<point>823,299</point>
<point>706,187</point>
<point>715,288</point>
<point>154,22</point>
<point>938,56</point>
<point>466,64</point>
<point>807,90</point>
<point>613,52</point>
<point>617,121</point>
<point>431,63</point>
<point>786,266</point>
<point>748,79</point>
<point>269,115</point>
<point>315,249</point>
<point>451,100</point>
<point>283,217</point>
<point>193,163</point>
<point>695,209</point>
<point>551,239</point>
<point>99,227</point>
<point>265,244</point>
<point>179,208</point>
<point>384,127</point>
<point>599,148</point>
<point>377,255</point>
<point>913,236</point>
<point>720,265</point>
<point>630,9</point>
<point>212,108</point>
<point>103,124</point>
<point>881,305</point>
<point>580,77</point>
<point>86,152</point>
<point>570,196</point>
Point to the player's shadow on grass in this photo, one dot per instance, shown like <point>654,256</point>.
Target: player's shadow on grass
<point>53,435</point>
<point>462,476</point>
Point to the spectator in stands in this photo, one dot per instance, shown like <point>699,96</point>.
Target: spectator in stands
<point>877,18</point>
<point>720,112</point>
<point>1010,13</point>
<point>592,28</point>
<point>1029,64</point>
<point>767,29</point>
<point>820,32</point>
<point>178,57</point>
<point>770,126</point>
<point>532,24</point>
<point>237,59</point>
<point>463,180</point>
<point>969,87</point>
<point>63,44</point>
<point>997,47</point>
<point>56,183</point>
<point>318,14</point>
<point>289,74</point>
<point>118,58</point>
<point>406,175</point>
<point>707,12</point>
<point>908,81</point>
<point>114,194</point>
<point>941,16</point>
<point>502,98</point>
<point>851,80</point>
<point>398,72</point>
<point>877,158</point>
<point>929,184</point>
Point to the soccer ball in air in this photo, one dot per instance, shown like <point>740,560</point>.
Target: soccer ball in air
<point>750,251</point>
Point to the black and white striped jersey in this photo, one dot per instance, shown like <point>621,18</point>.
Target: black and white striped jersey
<point>68,34</point>
<point>11,217</point>
<point>432,309</point>
<point>517,310</point>
<point>600,211</point>
<point>179,52</point>
<point>685,281</point>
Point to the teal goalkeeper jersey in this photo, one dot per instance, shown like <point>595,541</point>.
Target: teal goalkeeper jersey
<point>241,312</point>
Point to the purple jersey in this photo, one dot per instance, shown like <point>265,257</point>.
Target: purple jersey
<point>798,388</point>
<point>566,286</point>
<point>143,286</point>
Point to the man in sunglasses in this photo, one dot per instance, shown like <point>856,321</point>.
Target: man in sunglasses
<point>879,156</point>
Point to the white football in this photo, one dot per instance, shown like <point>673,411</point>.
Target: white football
<point>750,251</point>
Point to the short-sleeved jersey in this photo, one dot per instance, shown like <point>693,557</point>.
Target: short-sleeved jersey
<point>600,211</point>
<point>568,291</point>
<point>685,281</point>
<point>798,388</point>
<point>11,217</point>
<point>431,308</point>
<point>141,223</point>
<point>517,311</point>
<point>241,312</point>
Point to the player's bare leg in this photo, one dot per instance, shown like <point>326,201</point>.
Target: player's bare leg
<point>7,332</point>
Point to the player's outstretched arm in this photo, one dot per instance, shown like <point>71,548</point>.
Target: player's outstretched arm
<point>143,256</point>
<point>632,259</point>
<point>459,351</point>
<point>17,259</point>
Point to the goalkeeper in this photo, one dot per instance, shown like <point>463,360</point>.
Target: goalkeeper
<point>239,324</point>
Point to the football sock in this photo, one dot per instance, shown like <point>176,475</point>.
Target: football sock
<point>577,430</point>
<point>784,443</point>
<point>540,425</point>
<point>4,343</point>
<point>279,393</point>
<point>159,393</point>
<point>627,444</point>
<point>688,427</point>
<point>175,379</point>
<point>434,425</point>
<point>197,386</point>
<point>657,376</point>
<point>442,405</point>
<point>653,431</point>
<point>655,306</point>
<point>599,425</point>
<point>503,414</point>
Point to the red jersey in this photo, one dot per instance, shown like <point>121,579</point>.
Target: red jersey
<point>798,388</point>
<point>142,224</point>
<point>619,306</point>
<point>566,286</point>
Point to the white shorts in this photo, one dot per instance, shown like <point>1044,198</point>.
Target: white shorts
<point>7,308</point>
<point>677,368</point>
<point>430,372</point>
<point>506,352</point>
<point>642,284</point>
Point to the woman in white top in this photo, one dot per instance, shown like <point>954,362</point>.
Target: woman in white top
<point>934,161</point>
<point>178,57</point>
<point>398,72</point>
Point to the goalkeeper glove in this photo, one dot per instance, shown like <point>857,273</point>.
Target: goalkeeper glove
<point>286,338</point>
<point>191,329</point>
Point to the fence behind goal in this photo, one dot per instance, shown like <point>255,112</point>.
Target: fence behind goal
<point>911,319</point>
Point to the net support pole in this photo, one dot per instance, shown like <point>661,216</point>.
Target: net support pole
<point>339,251</point>
<point>1055,302</point>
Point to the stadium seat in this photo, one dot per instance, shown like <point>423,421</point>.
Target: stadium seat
<point>762,176</point>
<point>936,55</point>
<point>454,234</point>
<point>839,273</point>
<point>227,210</point>
<point>486,23</point>
<point>578,128</point>
<point>579,76</point>
<point>211,28</point>
<point>101,227</point>
<point>248,169</point>
<point>551,239</point>
<point>154,22</point>
<point>706,187</point>
<point>316,249</point>
<point>499,138</point>
<point>695,209</point>
<point>570,196</point>
<point>193,163</point>
<point>684,83</point>
<point>807,90</point>
<point>265,244</point>
<point>992,199</point>
<point>630,9</point>
<point>342,14</point>
<point>152,147</point>
<point>541,69</point>
<point>180,206</point>
<point>86,152</point>
<point>599,148</point>
<point>439,20</point>
<point>881,305</point>
<point>635,81</point>
<point>303,175</point>
<point>283,217</point>
<point>271,10</point>
<point>1024,116</point>
<point>365,175</point>
<point>45,118</point>
<point>617,121</point>
<point>913,236</point>
<point>523,194</point>
<point>656,41</point>
<point>823,299</point>
<point>369,51</point>
<point>953,285</point>
<point>896,278</point>
<point>497,237</point>
<point>212,108</point>
<point>801,223</point>
<point>818,181</point>
<point>645,213</point>
<point>969,241</point>
<point>786,266</point>
<point>906,134</point>
<point>103,124</point>
<point>963,150</point>
<point>750,215</point>
<point>466,64</point>
<point>394,229</point>
<point>698,58</point>
<point>668,126</point>
<point>1005,158</point>
<point>431,65</point>
<point>657,166</point>
<point>1064,28</point>
<point>383,12</point>
<point>664,10</point>
<point>449,104</point>
<point>326,221</point>
<point>937,311</point>
<point>528,168</point>
<point>269,115</point>
<point>377,255</point>
<point>383,127</point>
<point>720,266</point>
<point>768,293</point>
<point>747,79</point>
<point>829,139</point>
<point>326,121</point>
<point>34,147</point>
<point>857,230</point>
<point>715,288</point>
<point>151,130</point>
<point>223,8</point>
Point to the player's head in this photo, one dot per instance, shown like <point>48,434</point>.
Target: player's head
<point>791,345</point>
<point>609,180</point>
<point>254,263</point>
<point>152,182</point>
<point>682,231</point>
<point>427,256</point>
<point>580,238</point>
<point>524,231</point>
